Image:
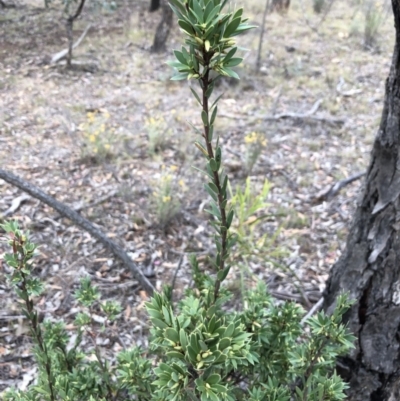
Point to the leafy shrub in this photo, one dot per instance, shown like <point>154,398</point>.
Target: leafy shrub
<point>164,197</point>
<point>374,16</point>
<point>200,350</point>
<point>158,133</point>
<point>255,143</point>
<point>97,137</point>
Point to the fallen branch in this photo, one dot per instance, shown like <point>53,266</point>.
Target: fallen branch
<point>63,53</point>
<point>80,221</point>
<point>327,194</point>
<point>309,113</point>
<point>314,309</point>
<point>306,115</point>
<point>348,93</point>
<point>15,205</point>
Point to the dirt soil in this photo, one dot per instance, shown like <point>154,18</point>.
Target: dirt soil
<point>105,135</point>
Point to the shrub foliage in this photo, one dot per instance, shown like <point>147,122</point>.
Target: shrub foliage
<point>201,350</point>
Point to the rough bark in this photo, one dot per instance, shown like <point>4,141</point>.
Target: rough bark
<point>163,28</point>
<point>369,268</point>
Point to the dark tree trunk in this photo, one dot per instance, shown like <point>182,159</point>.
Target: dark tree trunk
<point>70,32</point>
<point>154,5</point>
<point>70,37</point>
<point>163,28</point>
<point>280,5</point>
<point>369,268</point>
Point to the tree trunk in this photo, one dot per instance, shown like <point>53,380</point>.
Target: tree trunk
<point>280,5</point>
<point>154,5</point>
<point>163,28</point>
<point>369,268</point>
<point>70,32</point>
<point>70,37</point>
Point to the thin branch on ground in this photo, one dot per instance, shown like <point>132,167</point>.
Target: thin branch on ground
<point>63,53</point>
<point>80,221</point>
<point>314,309</point>
<point>333,190</point>
<point>306,115</point>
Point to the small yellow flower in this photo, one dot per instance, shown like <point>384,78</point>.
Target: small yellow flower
<point>173,168</point>
<point>92,138</point>
<point>166,199</point>
<point>107,146</point>
<point>250,138</point>
<point>90,117</point>
<point>181,183</point>
<point>102,127</point>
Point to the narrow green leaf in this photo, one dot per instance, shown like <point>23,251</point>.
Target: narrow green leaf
<point>196,96</point>
<point>172,335</point>
<point>180,76</point>
<point>198,11</point>
<point>210,133</point>
<point>159,323</point>
<point>183,339</point>
<point>213,115</point>
<point>243,28</point>
<point>216,100</point>
<point>209,90</point>
<point>204,117</point>
<point>180,57</point>
<point>238,13</point>
<point>213,186</point>
<point>213,165</point>
<point>230,54</point>
<point>175,354</point>
<point>212,14</point>
<point>211,192</point>
<point>224,342</point>
<point>208,9</point>
<point>231,28</point>
<point>186,27</point>
<point>229,72</point>
<point>229,219</point>
<point>179,6</point>
<point>233,62</point>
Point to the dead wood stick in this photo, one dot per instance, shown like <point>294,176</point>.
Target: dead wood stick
<point>63,53</point>
<point>80,221</point>
<point>314,309</point>
<point>333,190</point>
<point>307,115</point>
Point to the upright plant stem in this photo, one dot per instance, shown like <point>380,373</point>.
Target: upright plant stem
<point>223,231</point>
<point>33,316</point>
<point>260,43</point>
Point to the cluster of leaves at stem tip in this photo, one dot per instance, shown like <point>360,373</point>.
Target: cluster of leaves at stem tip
<point>199,349</point>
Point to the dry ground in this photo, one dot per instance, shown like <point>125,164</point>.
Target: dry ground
<point>46,138</point>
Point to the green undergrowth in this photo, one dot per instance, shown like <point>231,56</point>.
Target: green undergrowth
<point>199,349</point>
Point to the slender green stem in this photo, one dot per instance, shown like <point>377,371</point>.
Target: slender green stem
<point>220,196</point>
<point>18,243</point>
